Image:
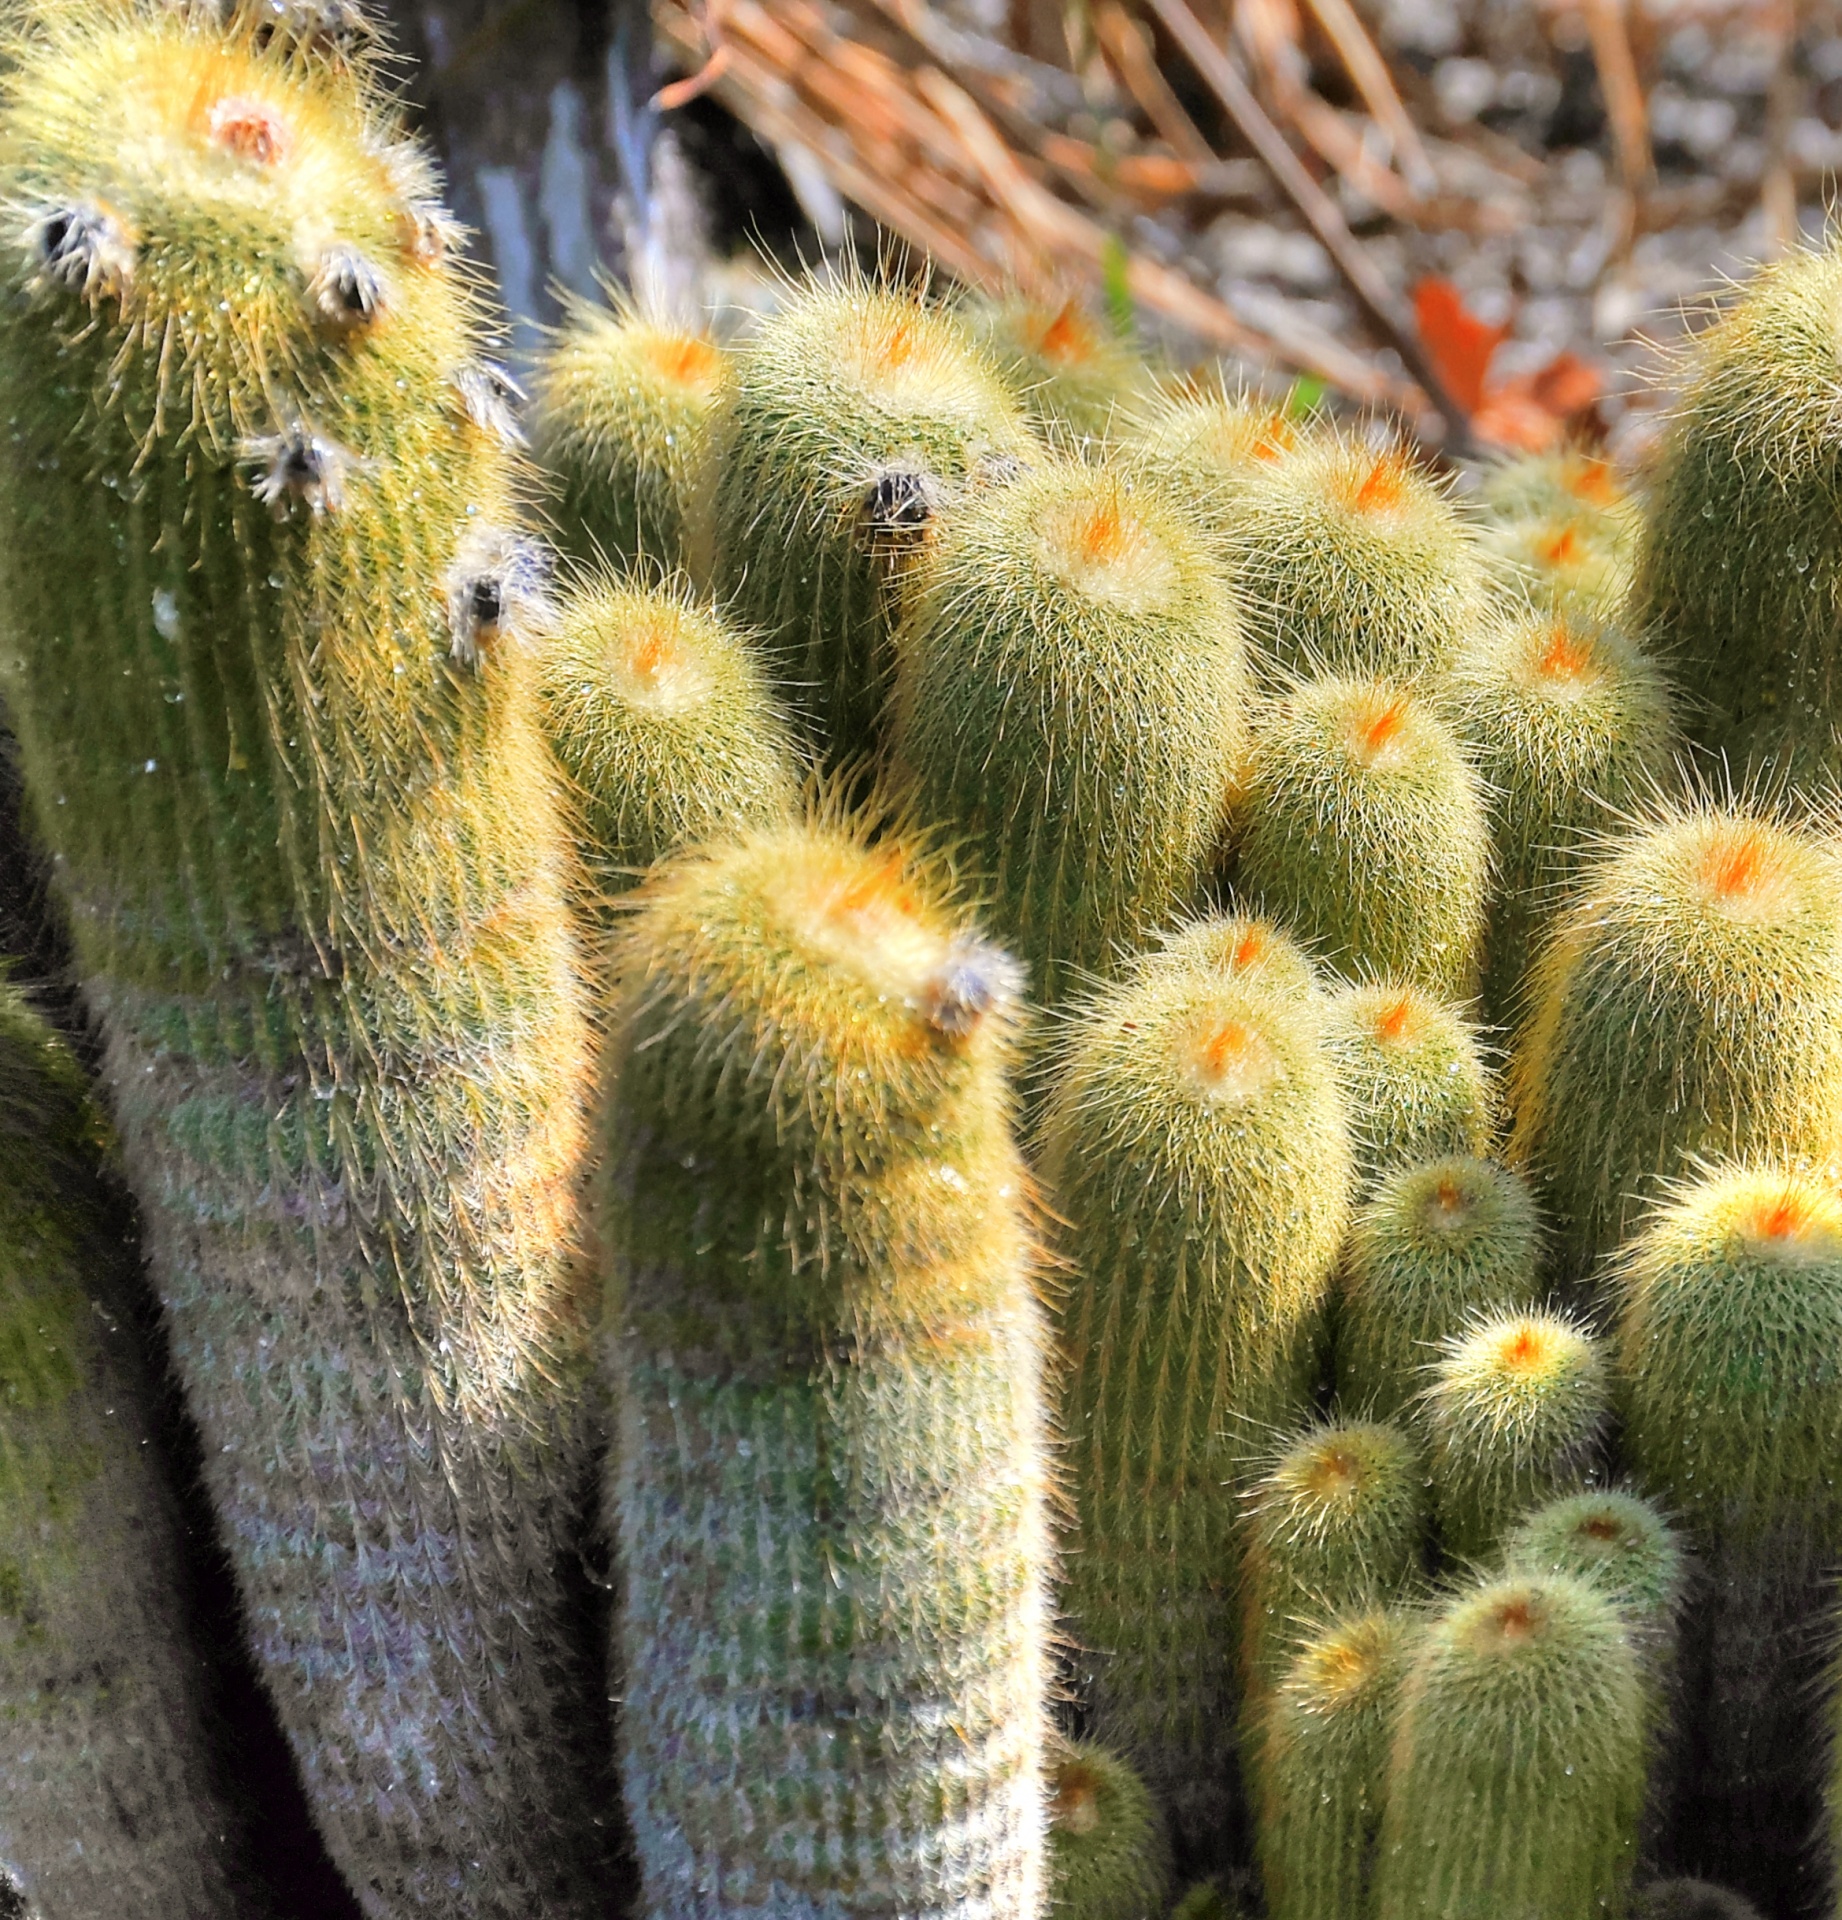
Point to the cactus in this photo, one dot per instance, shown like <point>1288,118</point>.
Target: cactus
<point>1334,1524</point>
<point>108,1795</point>
<point>263,614</point>
<point>852,416</point>
<point>1413,1077</point>
<point>660,716</point>
<point>1570,726</point>
<point>829,1486</point>
<point>1690,1900</point>
<point>1740,553</point>
<point>1205,443</point>
<point>1072,375</point>
<point>1685,1009</point>
<point>1109,1858</point>
<point>620,408</point>
<point>1350,561</point>
<point>1241,946</point>
<point>1516,1776</point>
<point>1209,1900</point>
<point>1558,530</point>
<point>1728,1331</point>
<point>1366,833</point>
<point>1322,1759</point>
<point>1514,1411</point>
<point>1619,1543</point>
<point>1194,1142</point>
<point>1439,1242</point>
<point>1069,697</point>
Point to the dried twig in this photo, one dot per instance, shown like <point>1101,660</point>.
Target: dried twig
<point>1624,93</point>
<point>1364,64</point>
<point>1127,44</point>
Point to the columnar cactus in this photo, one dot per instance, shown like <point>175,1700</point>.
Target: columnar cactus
<point>853,416</point>
<point>1321,1761</point>
<point>1439,1242</point>
<point>1350,561</point>
<point>1073,375</point>
<point>1413,1076</point>
<point>1570,726</point>
<point>1206,443</point>
<point>1516,1777</point>
<point>1366,833</point>
<point>109,1800</point>
<point>1109,1856</point>
<point>1515,1408</point>
<point>620,408</point>
<point>1686,1008</point>
<point>1240,946</point>
<point>1069,698</point>
<point>1618,1542</point>
<point>264,606</point>
<point>1558,530</point>
<point>829,1487</point>
<point>1729,1323</point>
<point>1194,1142</point>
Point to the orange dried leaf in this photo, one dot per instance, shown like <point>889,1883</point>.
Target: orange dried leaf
<point>1459,342</point>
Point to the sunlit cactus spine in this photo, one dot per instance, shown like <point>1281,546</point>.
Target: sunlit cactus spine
<point>1069,703</point>
<point>829,1490</point>
<point>1570,726</point>
<point>1728,1330</point>
<point>1109,1856</point>
<point>1516,1777</point>
<point>1207,443</point>
<point>1558,530</point>
<point>265,611</point>
<point>1336,1522</point>
<point>110,1799</point>
<point>1515,1409</point>
<point>1686,1008</point>
<point>853,416</point>
<point>1321,1763</point>
<point>1074,375</point>
<point>1351,561</point>
<point>1194,1143</point>
<point>620,407</point>
<point>1240,946</point>
<point>662,719</point>
<point>1415,1081</point>
<point>1366,833</point>
<point>1438,1242</point>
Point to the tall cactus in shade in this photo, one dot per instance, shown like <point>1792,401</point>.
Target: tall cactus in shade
<point>263,610</point>
<point>1194,1143</point>
<point>1685,1009</point>
<point>830,1485</point>
<point>854,415</point>
<point>109,1800</point>
<point>1069,699</point>
<point>1109,1856</point>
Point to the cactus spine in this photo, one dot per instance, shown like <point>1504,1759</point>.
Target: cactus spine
<point>1570,727</point>
<point>1619,1543</point>
<point>1686,1008</point>
<point>108,1800</point>
<point>1069,697</point>
<point>1205,444</point>
<point>1439,1242</point>
<point>1240,946</point>
<point>1366,833</point>
<point>853,416</point>
<point>1072,375</point>
<point>1558,529</point>
<point>620,409</point>
<point>829,1490</point>
<point>1109,1858</point>
<point>1517,1771</point>
<point>263,614</point>
<point>1514,1411</point>
<point>1194,1142</point>
<point>1322,1760</point>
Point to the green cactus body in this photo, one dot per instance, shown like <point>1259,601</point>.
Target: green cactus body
<point>1366,833</point>
<point>663,720</point>
<point>1515,1409</point>
<point>1622,1545</point>
<point>1208,1900</point>
<point>1109,1858</point>
<point>1685,1009</point>
<point>1740,556</point>
<point>1729,1357</point>
<point>1516,1777</point>
<point>1570,726</point>
<point>1072,375</point>
<point>1438,1242</point>
<point>1413,1077</point>
<point>1691,1900</point>
<point>262,660</point>
<point>1243,947</point>
<point>1206,445</point>
<point>620,408</point>
<point>108,1801</point>
<point>829,1495</point>
<point>1069,699</point>
<point>1322,1766</point>
<point>1336,1523</point>
<point>1194,1142</point>
<point>1349,561</point>
<point>852,417</point>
